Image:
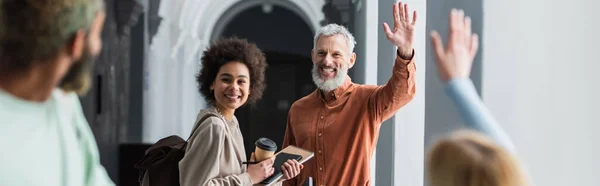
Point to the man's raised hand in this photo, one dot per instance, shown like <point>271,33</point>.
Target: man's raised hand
<point>403,34</point>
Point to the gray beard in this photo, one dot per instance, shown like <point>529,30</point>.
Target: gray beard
<point>330,84</point>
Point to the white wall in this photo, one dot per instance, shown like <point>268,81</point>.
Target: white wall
<point>540,72</point>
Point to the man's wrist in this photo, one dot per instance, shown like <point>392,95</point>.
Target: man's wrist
<point>408,55</point>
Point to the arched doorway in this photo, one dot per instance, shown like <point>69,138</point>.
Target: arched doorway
<point>286,40</point>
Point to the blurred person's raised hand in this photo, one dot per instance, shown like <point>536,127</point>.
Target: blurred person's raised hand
<point>403,34</point>
<point>455,60</point>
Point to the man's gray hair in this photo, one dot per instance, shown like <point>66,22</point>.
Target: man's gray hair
<point>335,29</point>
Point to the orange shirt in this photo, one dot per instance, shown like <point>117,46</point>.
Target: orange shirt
<point>342,128</point>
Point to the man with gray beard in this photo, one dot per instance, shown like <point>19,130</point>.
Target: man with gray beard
<point>340,120</point>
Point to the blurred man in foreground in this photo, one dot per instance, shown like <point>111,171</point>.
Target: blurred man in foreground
<point>46,55</point>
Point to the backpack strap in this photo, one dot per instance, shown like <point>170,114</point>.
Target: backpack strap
<point>196,127</point>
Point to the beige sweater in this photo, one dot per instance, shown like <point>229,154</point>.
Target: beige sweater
<point>214,154</point>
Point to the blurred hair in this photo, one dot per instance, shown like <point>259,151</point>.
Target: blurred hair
<point>34,31</point>
<point>467,158</point>
<point>335,29</point>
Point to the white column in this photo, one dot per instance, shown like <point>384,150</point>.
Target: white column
<point>369,11</point>
<point>154,85</point>
<point>410,121</point>
<point>166,81</point>
<point>400,146</point>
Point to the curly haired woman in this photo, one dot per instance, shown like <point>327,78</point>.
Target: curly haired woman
<point>232,74</point>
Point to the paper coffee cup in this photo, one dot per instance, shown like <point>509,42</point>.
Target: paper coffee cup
<point>265,149</point>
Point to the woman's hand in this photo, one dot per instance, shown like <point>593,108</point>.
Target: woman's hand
<point>260,171</point>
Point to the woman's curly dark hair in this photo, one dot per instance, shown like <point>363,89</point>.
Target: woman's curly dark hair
<point>227,50</point>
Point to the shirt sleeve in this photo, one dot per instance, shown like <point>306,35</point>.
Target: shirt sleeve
<point>200,165</point>
<point>95,174</point>
<point>397,92</point>
<point>475,114</point>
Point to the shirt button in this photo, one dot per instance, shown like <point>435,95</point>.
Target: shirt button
<point>321,117</point>
<point>319,151</point>
<point>320,168</point>
<point>319,134</point>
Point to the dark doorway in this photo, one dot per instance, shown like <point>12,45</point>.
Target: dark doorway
<point>286,40</point>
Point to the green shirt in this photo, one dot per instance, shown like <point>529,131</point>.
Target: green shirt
<point>47,143</point>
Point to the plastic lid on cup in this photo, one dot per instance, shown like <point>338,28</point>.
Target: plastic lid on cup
<point>266,144</point>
